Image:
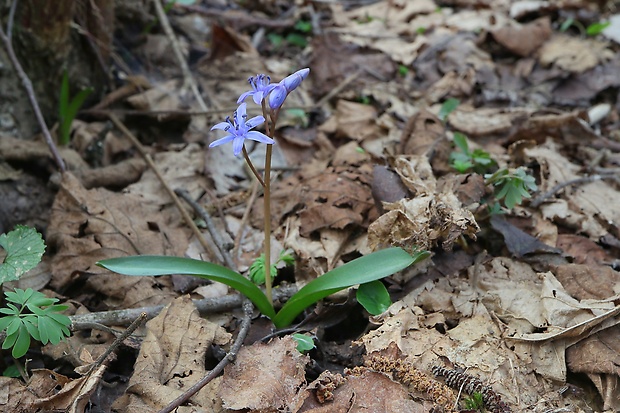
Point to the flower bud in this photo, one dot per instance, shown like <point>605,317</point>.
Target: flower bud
<point>291,82</point>
<point>277,96</point>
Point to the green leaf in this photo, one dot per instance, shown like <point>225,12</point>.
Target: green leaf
<point>374,297</point>
<point>596,28</point>
<point>361,270</point>
<point>11,371</point>
<point>22,344</point>
<point>162,265</point>
<point>566,24</point>
<point>24,249</point>
<point>460,141</point>
<point>68,109</point>
<point>304,26</point>
<point>257,270</point>
<point>448,107</point>
<point>304,343</point>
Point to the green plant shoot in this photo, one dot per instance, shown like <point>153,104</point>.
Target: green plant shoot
<point>68,109</point>
<point>257,269</point>
<point>464,160</point>
<point>31,314</point>
<point>304,343</point>
<point>511,185</point>
<point>447,108</point>
<point>359,271</point>
<point>474,402</point>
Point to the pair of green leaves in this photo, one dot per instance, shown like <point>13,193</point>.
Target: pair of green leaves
<point>29,314</point>
<point>365,269</point>
<point>68,108</point>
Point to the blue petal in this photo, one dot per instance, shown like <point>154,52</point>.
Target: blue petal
<point>258,97</point>
<point>255,121</point>
<point>237,145</point>
<point>240,114</point>
<point>244,96</point>
<point>259,137</point>
<point>221,141</point>
<point>277,96</point>
<point>221,125</point>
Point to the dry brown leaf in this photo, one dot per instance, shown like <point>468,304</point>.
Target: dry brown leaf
<point>171,359</point>
<point>523,40</point>
<point>589,282</point>
<point>573,54</point>
<point>264,377</point>
<point>486,121</point>
<point>90,225</point>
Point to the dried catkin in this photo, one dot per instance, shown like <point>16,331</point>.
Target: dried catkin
<point>408,375</point>
<point>470,384</point>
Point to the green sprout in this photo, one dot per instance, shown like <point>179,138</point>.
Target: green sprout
<point>464,160</point>
<point>512,185</point>
<point>68,109</point>
<point>597,28</point>
<point>475,402</point>
<point>257,269</point>
<point>447,108</point>
<point>30,314</point>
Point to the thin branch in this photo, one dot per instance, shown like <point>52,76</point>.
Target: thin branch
<point>9,25</point>
<point>578,181</point>
<point>27,84</point>
<point>246,322</point>
<point>188,220</point>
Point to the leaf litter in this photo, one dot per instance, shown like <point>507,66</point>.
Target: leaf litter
<point>532,314</point>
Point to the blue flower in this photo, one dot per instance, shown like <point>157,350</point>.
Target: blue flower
<point>239,130</point>
<point>260,88</point>
<point>286,86</point>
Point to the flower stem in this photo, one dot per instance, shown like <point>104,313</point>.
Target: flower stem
<point>251,165</point>
<point>267,225</point>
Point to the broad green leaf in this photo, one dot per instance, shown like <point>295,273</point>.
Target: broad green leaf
<point>361,270</point>
<point>24,248</point>
<point>4,322</point>
<point>162,265</point>
<point>304,343</point>
<point>374,297</point>
<point>597,28</point>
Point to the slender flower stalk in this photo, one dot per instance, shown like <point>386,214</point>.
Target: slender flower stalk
<point>239,129</point>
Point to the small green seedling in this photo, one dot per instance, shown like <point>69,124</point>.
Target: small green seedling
<point>304,343</point>
<point>68,109</point>
<point>447,108</point>
<point>257,269</point>
<point>465,160</point>
<point>28,314</point>
<point>359,271</point>
<point>475,402</point>
<point>374,297</point>
<point>596,28</point>
<point>31,314</point>
<point>512,185</point>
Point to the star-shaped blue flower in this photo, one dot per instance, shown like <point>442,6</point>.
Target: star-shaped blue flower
<point>260,88</point>
<point>239,130</point>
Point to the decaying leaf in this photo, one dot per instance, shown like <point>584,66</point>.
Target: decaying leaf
<point>426,219</point>
<point>264,377</point>
<point>171,359</point>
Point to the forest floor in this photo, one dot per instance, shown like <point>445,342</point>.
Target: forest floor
<point>520,299</point>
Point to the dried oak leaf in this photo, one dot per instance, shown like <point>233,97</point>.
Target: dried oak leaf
<point>264,377</point>
<point>172,358</point>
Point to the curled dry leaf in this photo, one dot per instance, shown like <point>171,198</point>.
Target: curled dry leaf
<point>426,219</point>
